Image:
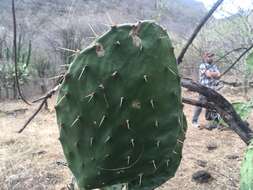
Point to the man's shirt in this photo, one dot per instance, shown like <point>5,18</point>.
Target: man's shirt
<point>203,79</point>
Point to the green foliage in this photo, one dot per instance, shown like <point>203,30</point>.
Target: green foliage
<point>246,179</point>
<point>7,67</point>
<point>42,67</point>
<point>119,110</point>
<point>244,108</point>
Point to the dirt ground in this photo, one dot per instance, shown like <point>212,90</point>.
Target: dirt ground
<point>33,159</point>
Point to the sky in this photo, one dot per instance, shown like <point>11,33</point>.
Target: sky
<point>229,7</point>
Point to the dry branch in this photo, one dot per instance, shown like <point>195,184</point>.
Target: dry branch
<point>15,53</point>
<point>237,60</point>
<point>44,101</point>
<point>229,52</point>
<point>197,29</point>
<point>222,106</point>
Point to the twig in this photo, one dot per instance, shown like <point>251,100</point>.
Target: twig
<point>34,114</point>
<point>236,61</point>
<point>15,53</point>
<point>222,106</point>
<point>229,52</point>
<point>44,98</point>
<point>48,95</point>
<point>197,29</point>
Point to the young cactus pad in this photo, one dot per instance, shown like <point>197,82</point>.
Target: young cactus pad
<point>119,110</point>
<point>246,181</point>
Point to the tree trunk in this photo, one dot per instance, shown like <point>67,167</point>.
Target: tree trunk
<point>44,91</point>
<point>14,90</point>
<point>6,92</point>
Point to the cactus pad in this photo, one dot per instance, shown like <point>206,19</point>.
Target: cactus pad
<point>246,181</point>
<point>119,110</point>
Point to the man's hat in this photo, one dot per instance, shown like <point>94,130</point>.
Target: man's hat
<point>208,54</point>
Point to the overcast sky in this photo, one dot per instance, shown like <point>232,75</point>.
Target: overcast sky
<point>229,6</point>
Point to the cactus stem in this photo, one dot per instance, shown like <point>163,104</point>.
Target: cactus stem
<point>152,103</point>
<point>140,178</point>
<point>90,96</point>
<point>91,141</point>
<point>156,123</point>
<point>106,101</point>
<point>102,120</point>
<point>121,101</point>
<point>128,125</point>
<point>75,121</point>
<point>153,162</point>
<point>128,160</point>
<point>145,78</point>
<point>107,139</point>
<point>158,144</point>
<point>167,163</point>
<point>132,142</point>
<point>84,68</point>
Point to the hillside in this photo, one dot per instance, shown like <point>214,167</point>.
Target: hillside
<point>178,16</point>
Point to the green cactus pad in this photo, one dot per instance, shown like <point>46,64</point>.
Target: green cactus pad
<point>119,110</point>
<point>246,181</point>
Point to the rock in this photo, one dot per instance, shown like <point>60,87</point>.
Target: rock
<point>41,152</point>
<point>61,163</point>
<point>201,163</point>
<point>232,157</point>
<point>201,176</point>
<point>211,146</point>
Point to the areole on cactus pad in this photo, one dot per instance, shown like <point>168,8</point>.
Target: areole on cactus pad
<point>119,110</point>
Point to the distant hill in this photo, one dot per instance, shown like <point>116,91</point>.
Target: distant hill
<point>178,15</point>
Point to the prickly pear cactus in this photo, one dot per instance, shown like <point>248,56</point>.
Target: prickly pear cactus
<point>119,110</point>
<point>246,181</point>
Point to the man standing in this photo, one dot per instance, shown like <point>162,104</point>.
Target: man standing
<point>208,76</point>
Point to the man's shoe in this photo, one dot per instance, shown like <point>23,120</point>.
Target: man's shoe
<point>211,126</point>
<point>195,124</point>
